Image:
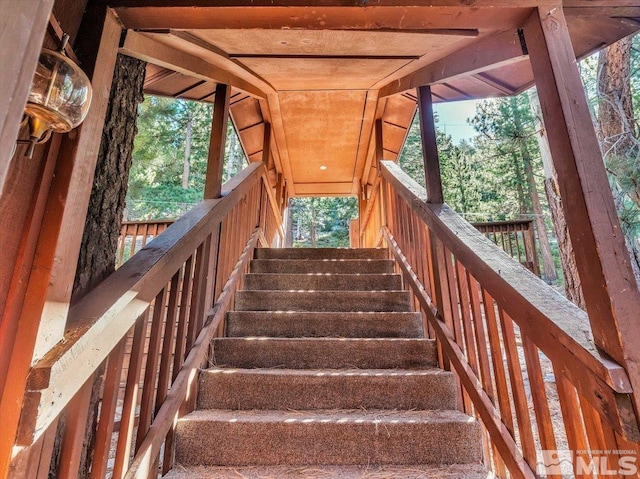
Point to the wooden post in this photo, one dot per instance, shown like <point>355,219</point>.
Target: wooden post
<point>213,182</point>
<point>24,25</point>
<point>602,259</point>
<point>429,146</point>
<point>51,279</point>
<point>379,145</point>
<point>266,144</point>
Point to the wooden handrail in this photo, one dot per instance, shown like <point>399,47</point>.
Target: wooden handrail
<point>104,316</point>
<point>166,415</point>
<point>499,326</point>
<point>548,318</point>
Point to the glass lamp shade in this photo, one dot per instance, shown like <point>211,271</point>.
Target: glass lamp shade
<point>60,95</point>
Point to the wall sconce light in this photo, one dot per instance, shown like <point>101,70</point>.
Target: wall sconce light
<point>59,99</point>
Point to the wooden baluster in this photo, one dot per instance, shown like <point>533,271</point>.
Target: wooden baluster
<point>452,287</point>
<point>167,348</point>
<point>502,390</point>
<point>596,438</point>
<point>572,416</point>
<point>466,309</point>
<point>151,368</point>
<point>484,367</point>
<point>539,396</point>
<point>196,291</point>
<point>517,388</point>
<point>77,413</point>
<point>108,407</point>
<point>179,354</point>
<point>127,421</point>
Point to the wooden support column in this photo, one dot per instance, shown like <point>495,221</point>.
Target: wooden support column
<point>23,27</point>
<point>43,311</point>
<point>379,145</point>
<point>266,144</point>
<point>602,259</point>
<point>213,182</point>
<point>429,146</point>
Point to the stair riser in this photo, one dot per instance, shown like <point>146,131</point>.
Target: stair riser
<point>288,390</point>
<point>332,282</point>
<point>312,266</point>
<point>321,253</point>
<point>314,325</point>
<point>324,353</point>
<point>323,301</point>
<point>296,443</point>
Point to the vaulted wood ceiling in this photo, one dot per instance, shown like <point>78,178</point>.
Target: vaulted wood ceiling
<point>322,72</point>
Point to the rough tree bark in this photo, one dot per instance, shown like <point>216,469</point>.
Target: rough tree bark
<point>617,131</point>
<point>102,227</point>
<point>572,285</point>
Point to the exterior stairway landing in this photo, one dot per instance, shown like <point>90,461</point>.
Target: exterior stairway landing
<point>324,373</point>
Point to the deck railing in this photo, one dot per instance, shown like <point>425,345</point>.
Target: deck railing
<point>523,356</point>
<point>134,235</point>
<point>516,238</point>
<point>179,287</point>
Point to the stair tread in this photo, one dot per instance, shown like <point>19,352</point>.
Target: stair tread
<point>291,253</point>
<point>331,372</point>
<point>324,416</point>
<point>456,471</point>
<point>323,352</point>
<point>328,324</point>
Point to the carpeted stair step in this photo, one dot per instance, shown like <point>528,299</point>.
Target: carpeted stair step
<point>304,266</point>
<point>296,389</point>
<point>330,353</point>
<point>323,301</point>
<point>321,253</point>
<point>283,324</point>
<point>261,438</point>
<point>320,281</point>
<point>455,471</point>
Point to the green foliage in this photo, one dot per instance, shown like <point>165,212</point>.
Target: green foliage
<point>322,221</point>
<point>482,178</point>
<point>155,180</point>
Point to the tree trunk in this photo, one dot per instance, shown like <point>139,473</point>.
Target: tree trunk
<point>548,267</point>
<point>572,285</point>
<point>188,136</point>
<point>288,242</point>
<point>233,155</point>
<point>617,132</point>
<point>102,227</point>
<point>313,223</point>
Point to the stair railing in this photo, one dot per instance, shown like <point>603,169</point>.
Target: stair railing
<point>525,362</point>
<point>178,288</point>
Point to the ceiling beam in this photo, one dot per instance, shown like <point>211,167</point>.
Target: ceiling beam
<point>144,48</point>
<point>358,3</point>
<point>492,51</point>
<point>451,19</point>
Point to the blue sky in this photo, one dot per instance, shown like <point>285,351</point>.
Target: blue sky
<point>453,118</point>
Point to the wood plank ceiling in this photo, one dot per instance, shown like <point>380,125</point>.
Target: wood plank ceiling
<point>322,72</point>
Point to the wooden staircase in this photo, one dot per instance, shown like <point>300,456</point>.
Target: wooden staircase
<point>324,373</point>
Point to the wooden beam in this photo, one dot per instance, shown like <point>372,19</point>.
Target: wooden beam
<point>495,83</point>
<point>602,259</point>
<point>144,48</point>
<point>331,15</point>
<point>44,313</point>
<point>489,52</point>
<point>352,3</point>
<point>379,151</point>
<point>429,146</point>
<point>266,144</point>
<point>23,27</point>
<point>213,181</point>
